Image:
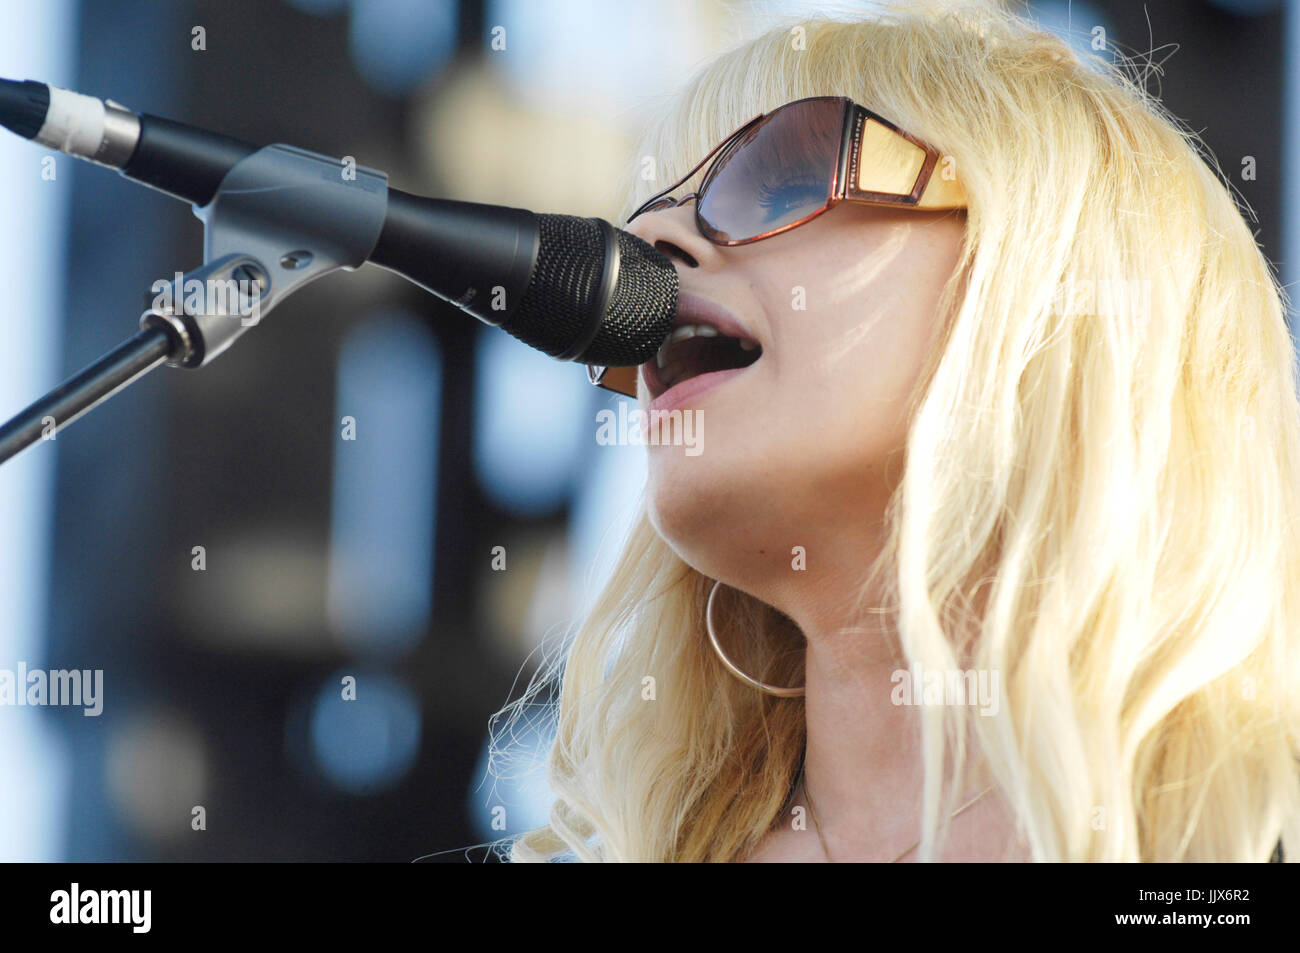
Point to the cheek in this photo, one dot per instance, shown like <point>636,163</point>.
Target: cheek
<point>816,435</point>
<point>845,382</point>
<point>877,375</point>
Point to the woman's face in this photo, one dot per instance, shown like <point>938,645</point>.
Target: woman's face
<point>800,448</point>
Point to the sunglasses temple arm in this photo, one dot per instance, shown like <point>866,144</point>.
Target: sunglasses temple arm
<point>847,145</point>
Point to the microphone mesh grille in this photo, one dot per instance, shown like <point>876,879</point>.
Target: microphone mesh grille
<point>641,312</point>
<point>556,307</point>
<point>554,310</point>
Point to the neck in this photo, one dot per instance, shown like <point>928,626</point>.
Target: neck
<point>863,764</point>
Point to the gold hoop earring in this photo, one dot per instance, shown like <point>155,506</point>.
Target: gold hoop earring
<point>731,666</point>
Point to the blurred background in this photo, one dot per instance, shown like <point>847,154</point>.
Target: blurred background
<point>323,558</point>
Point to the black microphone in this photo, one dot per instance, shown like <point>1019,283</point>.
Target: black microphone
<point>578,289</point>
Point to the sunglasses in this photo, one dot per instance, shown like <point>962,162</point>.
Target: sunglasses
<point>782,169</point>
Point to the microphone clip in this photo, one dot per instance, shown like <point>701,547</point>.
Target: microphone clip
<point>281,217</point>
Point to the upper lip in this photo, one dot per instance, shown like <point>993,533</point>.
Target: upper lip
<point>696,309</point>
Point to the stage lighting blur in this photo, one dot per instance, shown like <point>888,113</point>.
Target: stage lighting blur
<point>387,410</point>
<point>531,425</point>
<point>397,44</point>
<point>366,743</point>
<point>158,774</point>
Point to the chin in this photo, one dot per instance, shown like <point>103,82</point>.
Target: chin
<point>712,516</point>
<point>689,509</point>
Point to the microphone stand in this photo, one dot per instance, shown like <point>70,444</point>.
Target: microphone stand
<point>281,217</point>
<point>123,365</point>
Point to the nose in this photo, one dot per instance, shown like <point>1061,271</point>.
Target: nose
<point>672,230</point>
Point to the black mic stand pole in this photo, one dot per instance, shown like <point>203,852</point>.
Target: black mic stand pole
<point>282,217</point>
<point>123,365</point>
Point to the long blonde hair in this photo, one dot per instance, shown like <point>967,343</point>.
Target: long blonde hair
<point>1119,472</point>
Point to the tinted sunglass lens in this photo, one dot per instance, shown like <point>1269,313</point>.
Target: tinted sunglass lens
<point>776,174</point>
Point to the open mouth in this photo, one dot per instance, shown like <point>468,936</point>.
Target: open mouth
<point>695,348</point>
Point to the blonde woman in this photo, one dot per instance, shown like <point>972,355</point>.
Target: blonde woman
<point>991,551</point>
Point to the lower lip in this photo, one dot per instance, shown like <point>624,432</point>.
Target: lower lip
<point>692,388</point>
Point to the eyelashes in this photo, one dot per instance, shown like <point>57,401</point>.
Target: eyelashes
<point>791,199</point>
